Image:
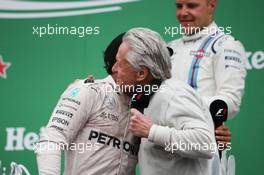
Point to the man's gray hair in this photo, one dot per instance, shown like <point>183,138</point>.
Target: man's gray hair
<point>148,49</point>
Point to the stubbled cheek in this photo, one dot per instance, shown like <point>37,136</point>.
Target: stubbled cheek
<point>200,11</point>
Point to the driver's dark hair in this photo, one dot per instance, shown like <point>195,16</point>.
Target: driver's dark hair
<point>111,51</point>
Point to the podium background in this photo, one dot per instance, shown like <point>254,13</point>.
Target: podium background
<point>42,67</point>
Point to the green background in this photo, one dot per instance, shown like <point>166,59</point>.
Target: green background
<point>42,67</point>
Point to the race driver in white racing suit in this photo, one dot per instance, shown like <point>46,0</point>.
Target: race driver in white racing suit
<point>210,61</point>
<point>213,64</point>
<point>90,123</point>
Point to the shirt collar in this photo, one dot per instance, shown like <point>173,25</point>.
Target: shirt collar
<point>210,30</point>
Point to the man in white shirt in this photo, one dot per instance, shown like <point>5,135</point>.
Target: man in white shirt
<point>176,115</point>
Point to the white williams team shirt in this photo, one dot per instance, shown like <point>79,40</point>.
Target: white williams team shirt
<point>213,63</point>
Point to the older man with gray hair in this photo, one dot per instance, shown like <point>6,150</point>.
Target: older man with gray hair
<point>176,129</point>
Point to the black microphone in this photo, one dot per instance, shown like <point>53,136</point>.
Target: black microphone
<point>140,101</point>
<point>219,111</point>
<point>171,52</point>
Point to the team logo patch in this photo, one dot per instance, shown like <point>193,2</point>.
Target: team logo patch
<point>199,53</point>
<point>75,92</point>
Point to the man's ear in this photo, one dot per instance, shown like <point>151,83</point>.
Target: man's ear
<point>142,74</point>
<point>212,4</point>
